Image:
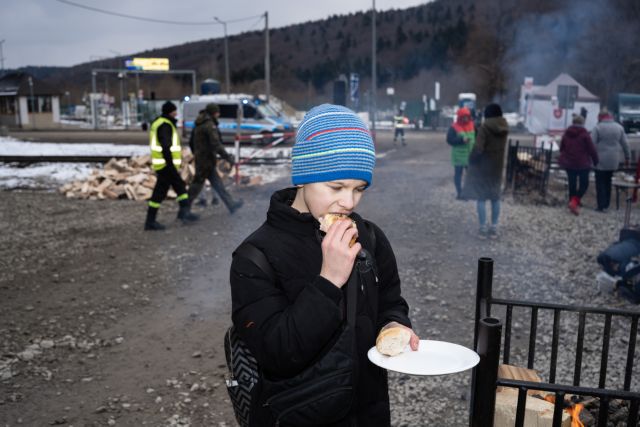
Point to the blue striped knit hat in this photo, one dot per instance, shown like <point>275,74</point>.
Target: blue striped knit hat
<point>332,143</point>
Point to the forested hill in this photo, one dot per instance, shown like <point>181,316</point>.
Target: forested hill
<point>483,46</point>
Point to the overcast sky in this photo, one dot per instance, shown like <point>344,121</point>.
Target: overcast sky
<point>48,32</point>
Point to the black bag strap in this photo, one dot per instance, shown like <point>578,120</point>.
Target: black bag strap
<point>256,256</point>
<point>352,297</point>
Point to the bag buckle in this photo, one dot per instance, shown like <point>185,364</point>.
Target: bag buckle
<point>230,381</point>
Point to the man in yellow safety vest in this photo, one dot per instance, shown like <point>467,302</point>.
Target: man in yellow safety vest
<point>399,122</point>
<point>166,158</point>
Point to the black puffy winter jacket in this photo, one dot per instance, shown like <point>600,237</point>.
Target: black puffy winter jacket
<point>287,324</point>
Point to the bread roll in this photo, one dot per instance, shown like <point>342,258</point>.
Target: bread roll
<point>393,341</point>
<point>328,220</point>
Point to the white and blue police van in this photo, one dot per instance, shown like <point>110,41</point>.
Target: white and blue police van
<point>256,116</point>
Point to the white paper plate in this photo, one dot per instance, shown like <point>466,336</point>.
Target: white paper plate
<point>432,358</point>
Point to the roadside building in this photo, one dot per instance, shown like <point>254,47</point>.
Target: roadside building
<point>27,102</point>
<point>545,113</point>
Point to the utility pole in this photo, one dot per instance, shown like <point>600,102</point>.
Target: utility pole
<point>373,70</point>
<point>267,60</point>
<point>93,101</point>
<point>33,103</point>
<point>226,56</point>
<point>1,57</point>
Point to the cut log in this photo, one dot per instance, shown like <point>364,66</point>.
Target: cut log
<point>130,191</point>
<point>510,372</point>
<point>143,193</point>
<point>141,161</point>
<point>104,185</point>
<point>116,165</point>
<point>137,178</point>
<point>538,412</point>
<point>110,194</point>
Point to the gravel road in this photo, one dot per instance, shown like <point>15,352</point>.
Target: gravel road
<point>104,324</point>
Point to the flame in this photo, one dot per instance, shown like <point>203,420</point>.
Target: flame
<point>575,415</point>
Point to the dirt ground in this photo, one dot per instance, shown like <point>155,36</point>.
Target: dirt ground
<point>105,324</point>
<point>109,322</point>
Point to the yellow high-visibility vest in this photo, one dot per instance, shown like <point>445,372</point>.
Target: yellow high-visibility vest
<point>157,160</point>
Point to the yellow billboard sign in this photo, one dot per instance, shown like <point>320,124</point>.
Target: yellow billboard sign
<point>148,64</point>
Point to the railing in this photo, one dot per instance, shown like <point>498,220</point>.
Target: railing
<point>488,341</point>
<point>528,168</point>
<point>274,138</point>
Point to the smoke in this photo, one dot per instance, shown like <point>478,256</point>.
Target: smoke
<point>587,39</point>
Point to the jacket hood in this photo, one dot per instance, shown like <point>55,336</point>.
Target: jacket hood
<point>497,125</point>
<point>575,130</point>
<point>464,111</point>
<point>203,117</point>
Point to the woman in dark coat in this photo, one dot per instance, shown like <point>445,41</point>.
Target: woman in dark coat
<point>486,162</point>
<point>290,322</point>
<point>577,156</point>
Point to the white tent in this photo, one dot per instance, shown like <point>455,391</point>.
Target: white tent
<point>539,106</point>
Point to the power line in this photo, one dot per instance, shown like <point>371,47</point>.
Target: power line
<point>255,24</point>
<point>157,21</point>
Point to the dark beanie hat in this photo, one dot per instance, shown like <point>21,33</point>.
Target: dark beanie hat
<point>168,107</point>
<point>212,108</point>
<point>492,110</point>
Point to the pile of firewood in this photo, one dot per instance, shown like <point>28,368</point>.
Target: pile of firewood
<point>131,179</point>
<point>538,409</point>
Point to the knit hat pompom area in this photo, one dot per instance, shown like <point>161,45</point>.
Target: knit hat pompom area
<point>332,143</point>
<point>492,110</point>
<point>168,107</point>
<point>212,108</point>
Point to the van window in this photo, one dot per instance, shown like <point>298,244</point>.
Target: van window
<point>248,111</point>
<point>228,111</point>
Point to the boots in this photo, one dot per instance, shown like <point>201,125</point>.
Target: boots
<point>573,205</point>
<point>184,214</point>
<point>151,223</point>
<point>235,206</point>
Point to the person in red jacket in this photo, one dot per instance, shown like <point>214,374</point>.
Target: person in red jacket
<point>577,156</point>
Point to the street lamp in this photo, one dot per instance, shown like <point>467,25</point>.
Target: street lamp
<point>1,57</point>
<point>33,104</point>
<point>67,94</point>
<point>267,60</point>
<point>226,55</point>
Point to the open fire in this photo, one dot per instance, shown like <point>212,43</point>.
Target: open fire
<point>572,409</point>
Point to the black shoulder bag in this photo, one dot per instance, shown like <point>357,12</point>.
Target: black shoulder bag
<point>320,394</point>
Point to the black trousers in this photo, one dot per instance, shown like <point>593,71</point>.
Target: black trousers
<point>603,188</point>
<point>578,182</point>
<point>206,169</point>
<point>168,177</point>
<point>218,185</point>
<point>399,132</point>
